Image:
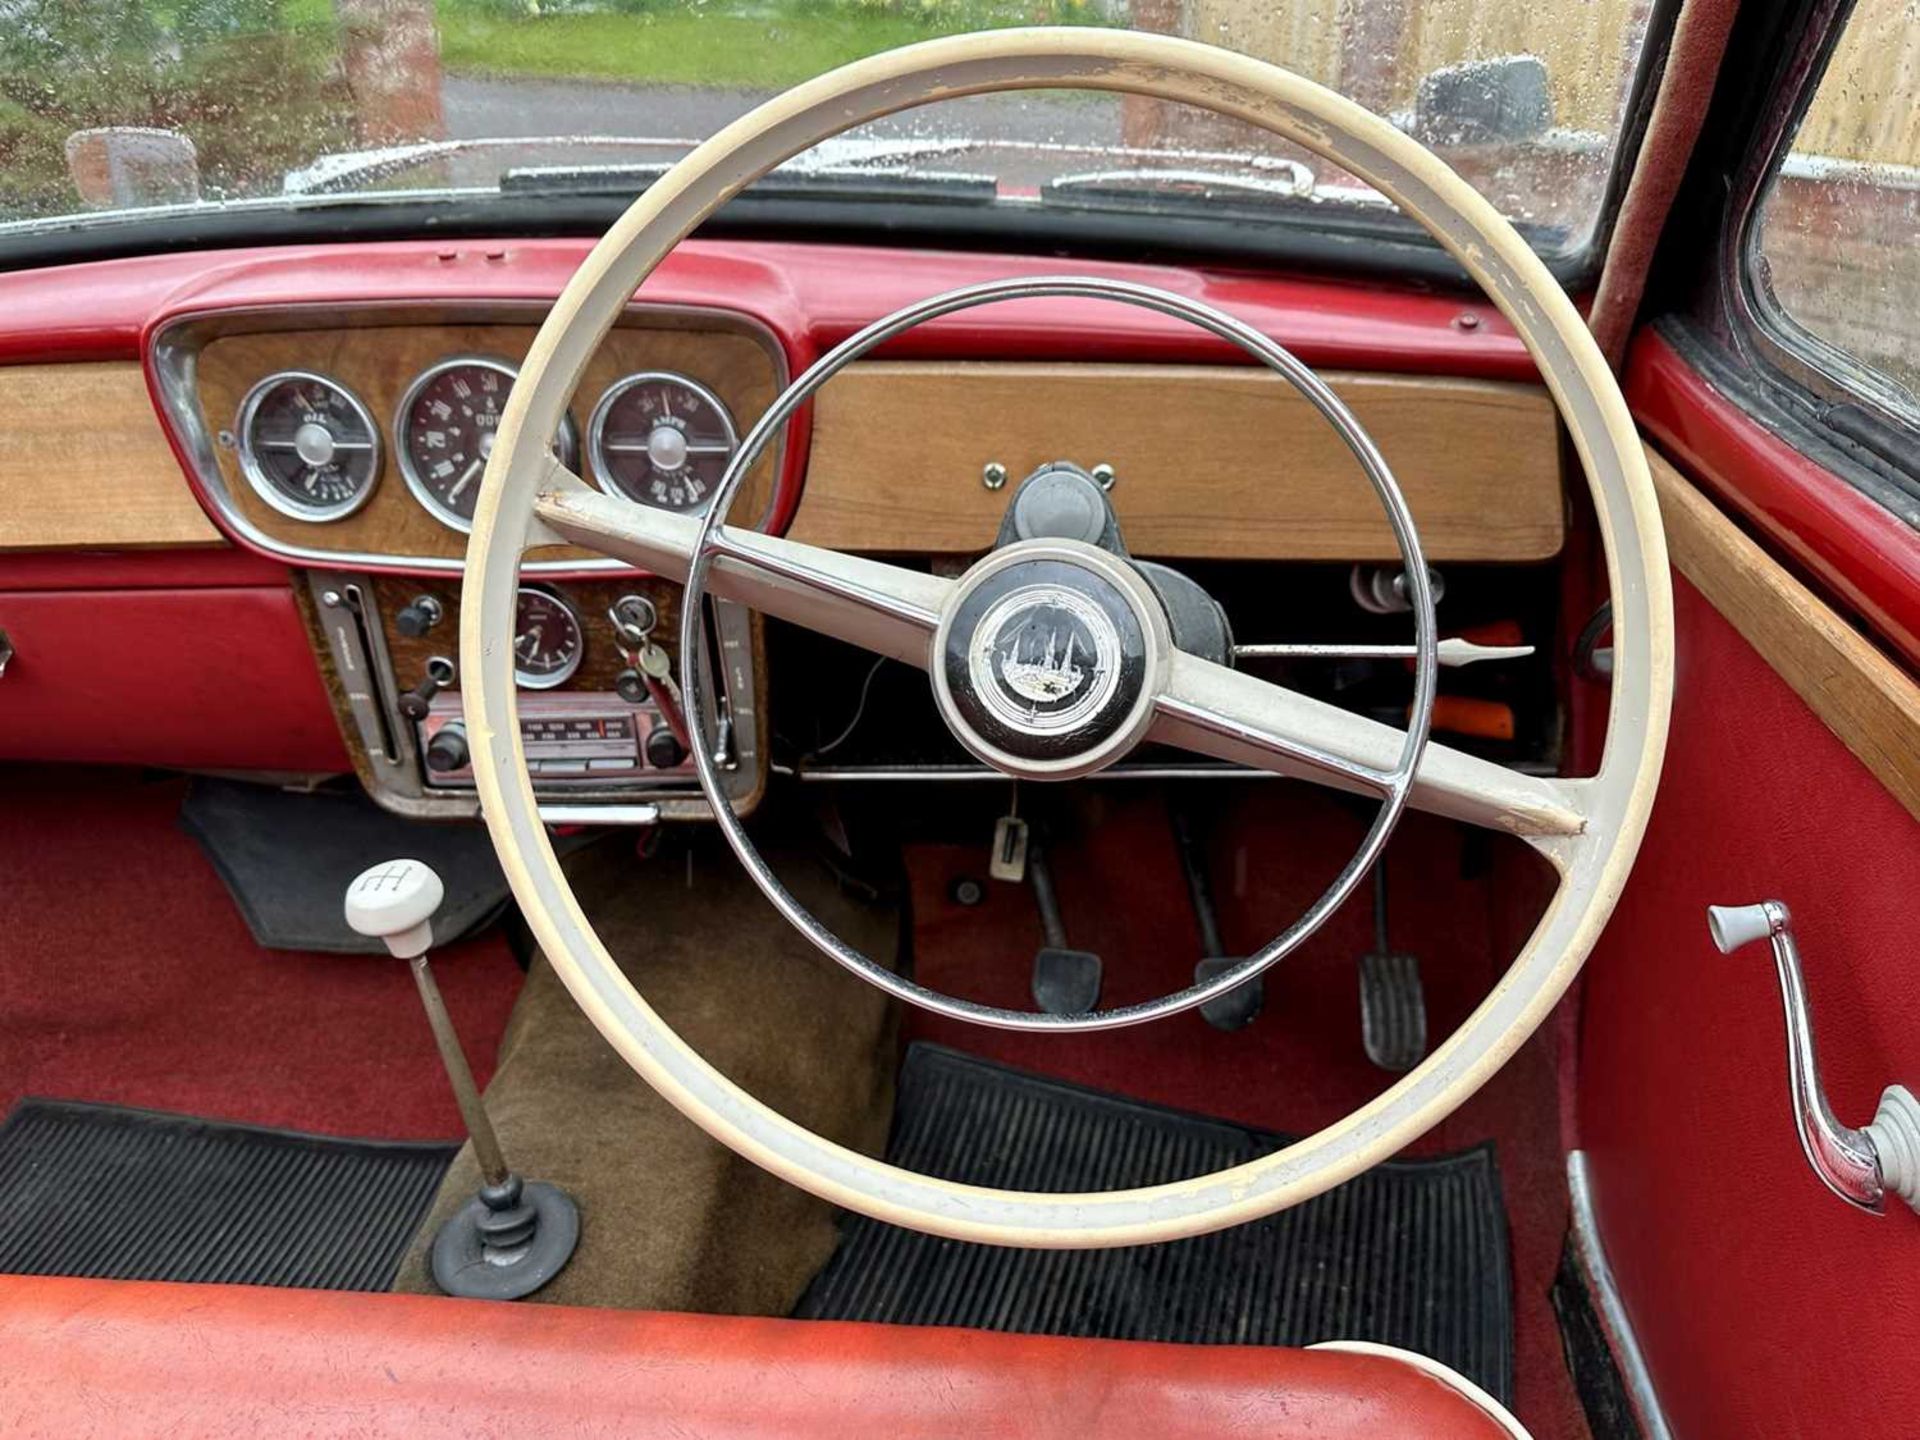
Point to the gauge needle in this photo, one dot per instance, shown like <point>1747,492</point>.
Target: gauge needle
<point>453,495</point>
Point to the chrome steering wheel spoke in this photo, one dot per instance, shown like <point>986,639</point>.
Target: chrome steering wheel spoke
<point>883,608</point>
<point>1212,710</point>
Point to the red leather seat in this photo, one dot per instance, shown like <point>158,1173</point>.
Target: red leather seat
<point>122,1358</point>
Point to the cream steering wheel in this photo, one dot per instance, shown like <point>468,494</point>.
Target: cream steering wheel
<point>1589,829</point>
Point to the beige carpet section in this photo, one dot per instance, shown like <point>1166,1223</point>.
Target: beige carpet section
<point>670,1219</point>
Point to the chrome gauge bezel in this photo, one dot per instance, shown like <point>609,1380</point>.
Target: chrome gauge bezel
<point>597,425</point>
<point>558,677</point>
<point>263,484</point>
<point>569,438</point>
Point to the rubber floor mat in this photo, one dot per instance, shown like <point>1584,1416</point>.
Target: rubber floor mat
<point>287,859</point>
<point>1412,1253</point>
<point>113,1193</point>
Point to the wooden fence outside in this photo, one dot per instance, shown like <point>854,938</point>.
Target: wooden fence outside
<point>1377,50</point>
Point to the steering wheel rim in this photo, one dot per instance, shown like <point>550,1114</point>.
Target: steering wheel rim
<point>525,490</point>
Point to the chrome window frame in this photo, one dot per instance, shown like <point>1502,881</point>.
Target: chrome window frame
<point>1762,331</point>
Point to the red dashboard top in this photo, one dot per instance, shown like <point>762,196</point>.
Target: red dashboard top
<point>812,296</point>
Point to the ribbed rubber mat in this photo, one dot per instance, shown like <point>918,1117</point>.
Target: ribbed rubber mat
<point>114,1193</point>
<point>1412,1253</point>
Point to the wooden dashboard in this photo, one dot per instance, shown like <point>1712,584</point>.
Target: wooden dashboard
<point>208,367</point>
<point>1212,462</point>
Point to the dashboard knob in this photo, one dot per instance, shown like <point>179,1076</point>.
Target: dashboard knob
<point>418,616</point>
<point>664,750</point>
<point>447,750</point>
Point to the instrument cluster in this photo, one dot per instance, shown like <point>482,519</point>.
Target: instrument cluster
<point>310,447</point>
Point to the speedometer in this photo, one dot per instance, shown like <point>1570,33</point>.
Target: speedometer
<point>548,641</point>
<point>308,447</point>
<point>445,432</point>
<point>661,439</point>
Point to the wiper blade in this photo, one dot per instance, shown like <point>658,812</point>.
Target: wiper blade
<point>835,164</point>
<point>810,182</point>
<point>1274,180</point>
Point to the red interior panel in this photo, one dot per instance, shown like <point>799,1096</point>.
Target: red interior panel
<point>1765,1305</point>
<point>209,678</point>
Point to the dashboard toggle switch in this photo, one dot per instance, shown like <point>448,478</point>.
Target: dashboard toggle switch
<point>417,703</point>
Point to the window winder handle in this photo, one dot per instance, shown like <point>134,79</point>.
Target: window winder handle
<point>1859,1166</point>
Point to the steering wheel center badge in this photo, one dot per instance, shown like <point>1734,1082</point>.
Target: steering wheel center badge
<point>1044,658</point>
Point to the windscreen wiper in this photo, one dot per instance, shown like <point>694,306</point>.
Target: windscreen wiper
<point>788,182</point>
<point>1278,180</point>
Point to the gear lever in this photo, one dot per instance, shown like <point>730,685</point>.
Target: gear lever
<point>514,1236</point>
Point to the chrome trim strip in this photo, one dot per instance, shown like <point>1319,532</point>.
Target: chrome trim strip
<point>839,774</point>
<point>173,356</point>
<point>600,814</point>
<point>1606,1297</point>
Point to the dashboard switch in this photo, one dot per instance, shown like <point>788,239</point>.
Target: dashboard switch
<point>418,616</point>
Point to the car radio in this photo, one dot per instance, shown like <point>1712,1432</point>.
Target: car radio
<point>578,738</point>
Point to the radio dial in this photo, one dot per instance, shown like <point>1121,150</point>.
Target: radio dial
<point>664,750</point>
<point>447,750</point>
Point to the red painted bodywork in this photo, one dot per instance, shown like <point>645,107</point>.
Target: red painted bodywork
<point>214,678</point>
<point>113,1358</point>
<point>1764,1304</point>
<point>1859,550</point>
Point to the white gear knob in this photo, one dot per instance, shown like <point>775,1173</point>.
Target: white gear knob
<point>394,901</point>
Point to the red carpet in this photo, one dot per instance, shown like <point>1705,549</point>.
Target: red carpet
<point>127,976</point>
<point>1300,1065</point>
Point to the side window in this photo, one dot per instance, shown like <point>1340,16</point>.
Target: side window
<point>1834,256</point>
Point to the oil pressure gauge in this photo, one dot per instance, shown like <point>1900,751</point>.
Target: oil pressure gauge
<point>445,428</point>
<point>548,640</point>
<point>661,439</point>
<point>308,447</point>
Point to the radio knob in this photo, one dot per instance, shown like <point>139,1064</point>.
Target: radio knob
<point>447,750</point>
<point>664,750</point>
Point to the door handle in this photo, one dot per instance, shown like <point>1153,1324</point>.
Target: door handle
<point>1859,1166</point>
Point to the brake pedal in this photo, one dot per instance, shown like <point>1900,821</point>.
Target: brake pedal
<point>1065,981</point>
<point>1393,1001</point>
<point>1235,1009</point>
